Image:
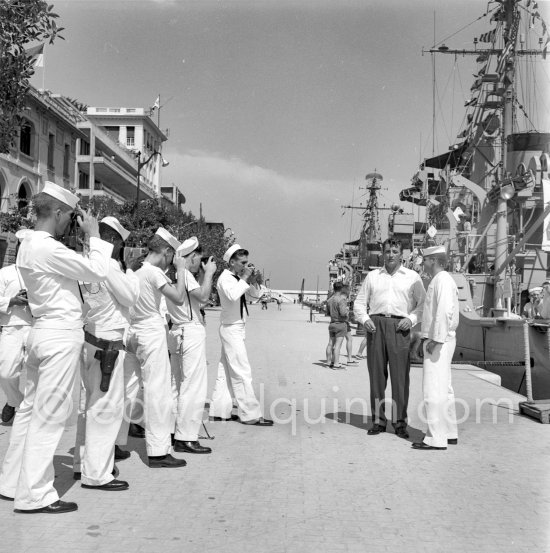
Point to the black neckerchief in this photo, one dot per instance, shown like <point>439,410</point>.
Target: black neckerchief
<point>243,299</point>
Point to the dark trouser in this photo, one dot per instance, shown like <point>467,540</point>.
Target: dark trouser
<point>388,346</point>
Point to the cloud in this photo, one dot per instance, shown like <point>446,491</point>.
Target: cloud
<point>291,225</point>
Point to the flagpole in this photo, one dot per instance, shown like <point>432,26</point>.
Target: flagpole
<point>158,113</point>
<point>43,70</point>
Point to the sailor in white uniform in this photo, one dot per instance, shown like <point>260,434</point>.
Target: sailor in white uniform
<point>50,273</point>
<point>107,317</point>
<point>188,356</point>
<point>234,370</point>
<point>439,323</point>
<point>147,339</point>
<point>15,320</point>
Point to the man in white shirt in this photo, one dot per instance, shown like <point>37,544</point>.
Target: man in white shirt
<point>107,318</point>
<point>439,323</point>
<point>50,273</point>
<point>545,305</point>
<point>389,304</point>
<point>188,356</point>
<point>147,340</point>
<point>15,320</point>
<point>234,370</point>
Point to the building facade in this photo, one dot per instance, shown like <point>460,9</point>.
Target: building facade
<point>95,151</point>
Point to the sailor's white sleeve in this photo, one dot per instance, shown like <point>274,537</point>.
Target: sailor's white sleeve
<point>93,268</point>
<point>232,287</point>
<point>443,312</point>
<point>361,303</point>
<point>4,299</point>
<point>124,286</point>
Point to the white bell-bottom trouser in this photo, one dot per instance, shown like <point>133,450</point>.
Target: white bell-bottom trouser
<point>133,397</point>
<point>439,398</point>
<point>148,340</point>
<point>190,379</point>
<point>13,341</point>
<point>52,364</point>
<point>234,377</point>
<point>99,415</point>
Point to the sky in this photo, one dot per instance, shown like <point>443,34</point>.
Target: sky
<point>276,109</point>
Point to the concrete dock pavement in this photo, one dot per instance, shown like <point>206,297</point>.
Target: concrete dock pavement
<point>315,482</point>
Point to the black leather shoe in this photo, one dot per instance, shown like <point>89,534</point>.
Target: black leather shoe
<point>452,441</point>
<point>426,447</point>
<point>6,498</point>
<point>112,486</point>
<point>190,447</point>
<point>56,508</point>
<point>8,412</point>
<point>136,431</point>
<point>166,461</point>
<point>121,454</point>
<point>401,432</point>
<point>376,429</point>
<point>220,419</point>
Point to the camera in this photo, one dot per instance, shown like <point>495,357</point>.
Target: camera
<point>22,293</point>
<point>205,258</point>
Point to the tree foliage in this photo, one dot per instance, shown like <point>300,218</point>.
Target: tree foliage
<point>22,22</point>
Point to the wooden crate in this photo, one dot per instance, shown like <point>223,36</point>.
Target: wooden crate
<point>538,409</point>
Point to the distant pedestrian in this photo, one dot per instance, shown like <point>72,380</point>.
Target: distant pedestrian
<point>338,311</point>
<point>279,301</point>
<point>439,323</point>
<point>362,348</point>
<point>263,301</point>
<point>389,304</point>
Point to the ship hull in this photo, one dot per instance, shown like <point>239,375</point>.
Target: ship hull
<point>494,339</point>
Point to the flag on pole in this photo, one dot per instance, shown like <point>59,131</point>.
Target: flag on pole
<point>156,105</point>
<point>36,53</point>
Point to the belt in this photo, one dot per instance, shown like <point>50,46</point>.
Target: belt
<point>387,315</point>
<point>103,344</point>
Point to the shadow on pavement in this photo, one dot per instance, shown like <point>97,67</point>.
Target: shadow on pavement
<point>364,422</point>
<point>63,467</point>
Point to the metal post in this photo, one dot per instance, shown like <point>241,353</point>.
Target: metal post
<point>527,352</point>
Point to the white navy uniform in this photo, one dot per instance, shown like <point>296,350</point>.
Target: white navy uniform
<point>50,272</point>
<point>234,370</point>
<point>107,305</point>
<point>16,323</point>
<point>188,359</point>
<point>439,323</point>
<point>147,339</point>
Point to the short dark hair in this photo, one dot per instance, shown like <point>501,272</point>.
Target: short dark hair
<point>337,286</point>
<point>44,205</point>
<point>157,244</point>
<point>239,253</point>
<point>108,233</point>
<point>392,244</point>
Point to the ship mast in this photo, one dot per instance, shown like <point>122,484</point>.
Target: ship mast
<point>371,228</point>
<point>509,35</point>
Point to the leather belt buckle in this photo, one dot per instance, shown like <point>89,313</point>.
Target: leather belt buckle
<point>388,316</point>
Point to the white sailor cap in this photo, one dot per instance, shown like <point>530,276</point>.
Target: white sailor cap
<point>227,255</point>
<point>61,194</point>
<point>434,250</point>
<point>167,237</point>
<point>535,290</point>
<point>23,233</point>
<point>188,246</point>
<point>114,223</point>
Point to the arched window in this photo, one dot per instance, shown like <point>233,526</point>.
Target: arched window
<point>25,138</point>
<point>23,196</point>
